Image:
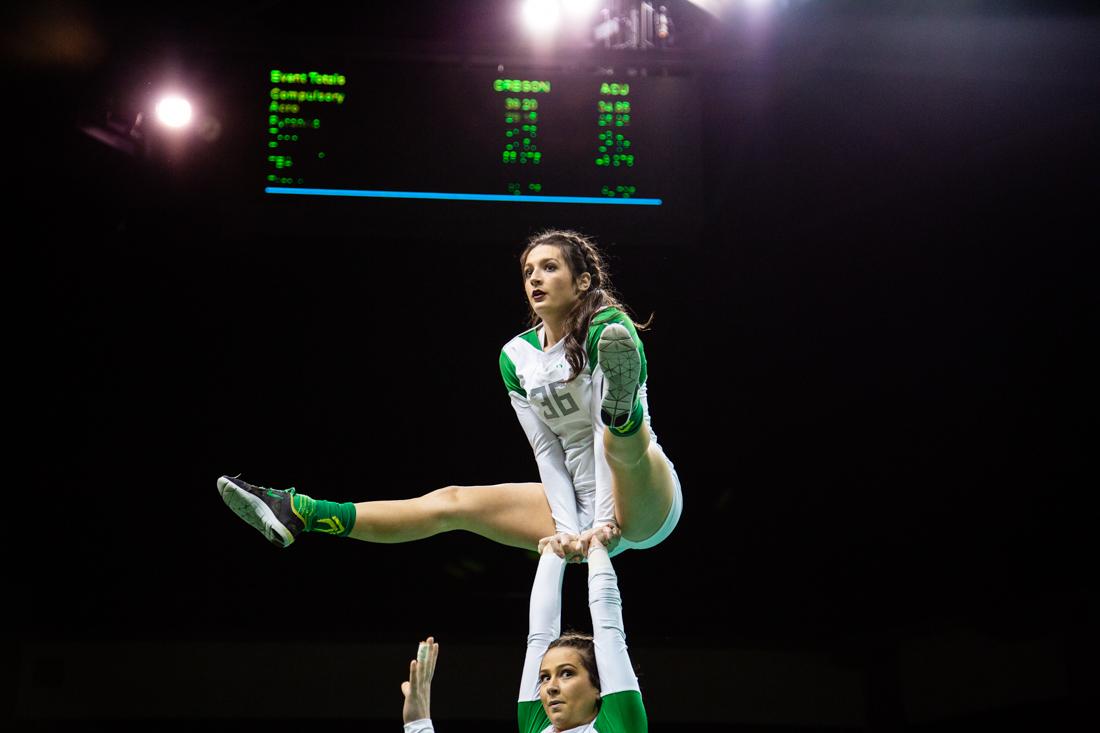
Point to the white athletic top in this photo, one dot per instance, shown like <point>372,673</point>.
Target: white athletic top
<point>563,424</point>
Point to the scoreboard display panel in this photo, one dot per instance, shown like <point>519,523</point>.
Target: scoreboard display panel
<point>621,142</point>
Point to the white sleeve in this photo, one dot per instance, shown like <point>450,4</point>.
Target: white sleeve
<point>557,483</point>
<point>424,725</point>
<point>544,621</point>
<point>612,659</point>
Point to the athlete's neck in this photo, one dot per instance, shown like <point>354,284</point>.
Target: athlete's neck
<point>553,331</point>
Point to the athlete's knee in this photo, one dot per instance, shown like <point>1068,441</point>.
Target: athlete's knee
<point>630,451</point>
<point>448,505</point>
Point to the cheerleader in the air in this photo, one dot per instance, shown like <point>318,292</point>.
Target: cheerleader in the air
<point>577,382</point>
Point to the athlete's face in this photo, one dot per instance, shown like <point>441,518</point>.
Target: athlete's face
<point>567,693</point>
<point>551,288</point>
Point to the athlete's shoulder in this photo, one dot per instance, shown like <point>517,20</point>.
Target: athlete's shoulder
<point>520,350</point>
<point>609,314</point>
<point>528,339</point>
<point>623,712</point>
<point>531,717</point>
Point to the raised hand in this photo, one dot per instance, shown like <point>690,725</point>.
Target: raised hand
<point>564,545</point>
<point>418,689</point>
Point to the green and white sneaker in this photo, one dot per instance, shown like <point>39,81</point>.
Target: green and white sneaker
<point>270,511</point>
<point>622,364</point>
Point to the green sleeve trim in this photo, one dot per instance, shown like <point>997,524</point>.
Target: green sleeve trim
<point>530,717</point>
<point>599,321</point>
<point>508,373</point>
<point>532,337</point>
<point>623,712</point>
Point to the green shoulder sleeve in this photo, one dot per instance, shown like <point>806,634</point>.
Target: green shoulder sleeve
<point>599,321</point>
<point>508,373</point>
<point>530,717</point>
<point>622,712</point>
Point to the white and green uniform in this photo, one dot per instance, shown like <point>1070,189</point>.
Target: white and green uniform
<point>563,423</point>
<point>621,708</point>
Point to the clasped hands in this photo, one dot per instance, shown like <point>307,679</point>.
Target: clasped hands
<point>574,548</point>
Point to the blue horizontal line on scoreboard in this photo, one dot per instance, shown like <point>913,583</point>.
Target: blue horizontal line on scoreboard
<point>511,198</point>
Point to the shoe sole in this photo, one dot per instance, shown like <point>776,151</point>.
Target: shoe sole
<point>255,512</point>
<point>619,357</point>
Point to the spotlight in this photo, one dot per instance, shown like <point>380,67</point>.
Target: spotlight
<point>541,16</point>
<point>579,9</point>
<point>174,111</point>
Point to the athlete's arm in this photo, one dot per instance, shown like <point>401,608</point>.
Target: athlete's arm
<point>557,483</point>
<point>608,632</point>
<point>544,619</point>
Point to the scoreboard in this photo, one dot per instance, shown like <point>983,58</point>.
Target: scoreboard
<point>515,136</point>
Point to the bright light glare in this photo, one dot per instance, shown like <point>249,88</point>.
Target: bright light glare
<point>541,16</point>
<point>579,8</point>
<point>174,111</point>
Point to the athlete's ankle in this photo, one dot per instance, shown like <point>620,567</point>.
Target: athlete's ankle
<point>626,424</point>
<point>325,517</point>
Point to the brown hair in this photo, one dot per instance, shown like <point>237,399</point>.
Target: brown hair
<point>581,255</point>
<point>585,648</point>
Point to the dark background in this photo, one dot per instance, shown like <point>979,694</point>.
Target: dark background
<point>869,363</point>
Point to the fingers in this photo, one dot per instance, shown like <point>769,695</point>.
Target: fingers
<point>572,547</point>
<point>422,669</point>
<point>550,544</point>
<point>606,536</point>
<point>430,658</point>
<point>562,544</point>
<point>611,534</point>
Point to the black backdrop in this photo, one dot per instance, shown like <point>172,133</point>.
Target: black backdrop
<point>870,367</point>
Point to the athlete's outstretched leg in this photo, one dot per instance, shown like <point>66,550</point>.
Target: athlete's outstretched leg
<point>512,514</point>
<point>641,476</point>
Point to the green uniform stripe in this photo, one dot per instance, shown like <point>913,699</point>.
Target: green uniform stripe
<point>532,337</point>
<point>508,373</point>
<point>622,712</point>
<point>531,717</point>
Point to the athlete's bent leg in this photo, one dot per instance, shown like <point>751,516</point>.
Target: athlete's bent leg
<point>641,476</point>
<point>516,514</point>
<point>641,482</point>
